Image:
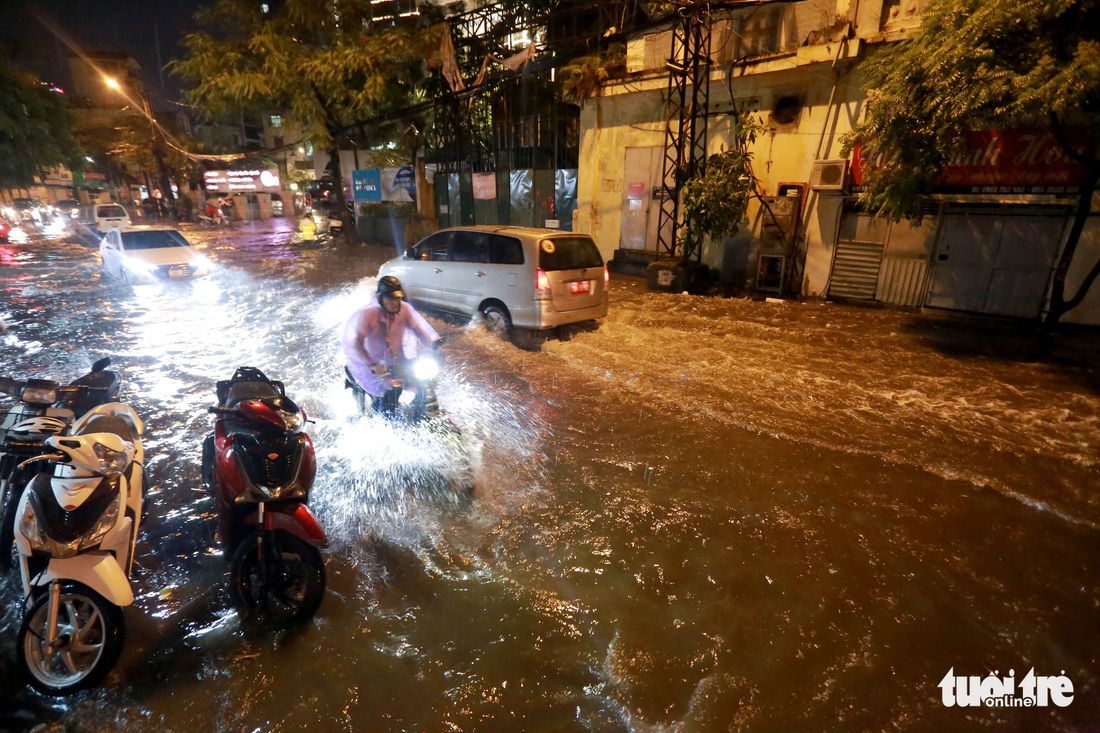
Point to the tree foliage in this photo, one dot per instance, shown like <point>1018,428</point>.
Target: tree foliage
<point>974,65</point>
<point>715,203</point>
<point>981,65</point>
<point>128,139</point>
<point>34,128</point>
<point>581,78</point>
<point>319,62</point>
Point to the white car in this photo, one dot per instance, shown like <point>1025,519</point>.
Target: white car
<point>141,253</point>
<point>514,276</point>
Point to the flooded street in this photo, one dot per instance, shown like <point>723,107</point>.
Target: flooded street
<point>702,515</point>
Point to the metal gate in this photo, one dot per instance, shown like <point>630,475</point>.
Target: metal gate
<point>855,270</point>
<point>995,261</point>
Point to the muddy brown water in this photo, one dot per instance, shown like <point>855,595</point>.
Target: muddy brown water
<point>704,514</point>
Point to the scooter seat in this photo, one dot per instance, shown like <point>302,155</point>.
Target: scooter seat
<point>109,424</point>
<point>242,391</point>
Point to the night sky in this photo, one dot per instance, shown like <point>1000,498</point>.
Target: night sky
<point>134,27</point>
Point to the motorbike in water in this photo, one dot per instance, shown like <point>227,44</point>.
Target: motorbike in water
<point>45,408</point>
<point>260,466</point>
<point>76,531</point>
<point>411,406</point>
<point>411,396</point>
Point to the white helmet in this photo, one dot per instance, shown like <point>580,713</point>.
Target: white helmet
<point>39,426</point>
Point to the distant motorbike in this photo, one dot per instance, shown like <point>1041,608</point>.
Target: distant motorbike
<point>260,467</point>
<point>45,408</point>
<point>77,527</point>
<point>216,217</point>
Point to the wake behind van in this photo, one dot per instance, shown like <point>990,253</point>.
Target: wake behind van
<point>522,276</point>
<point>97,219</point>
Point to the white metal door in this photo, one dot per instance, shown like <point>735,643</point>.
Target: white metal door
<point>641,173</point>
<point>995,263</point>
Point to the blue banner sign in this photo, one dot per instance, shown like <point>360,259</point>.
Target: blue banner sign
<point>366,185</point>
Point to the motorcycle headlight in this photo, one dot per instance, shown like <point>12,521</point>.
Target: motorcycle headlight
<point>293,420</point>
<point>106,520</point>
<point>111,462</point>
<point>425,368</point>
<point>39,396</point>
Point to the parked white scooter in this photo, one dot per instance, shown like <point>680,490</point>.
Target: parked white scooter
<point>76,528</point>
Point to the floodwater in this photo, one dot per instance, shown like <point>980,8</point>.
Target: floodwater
<point>704,514</point>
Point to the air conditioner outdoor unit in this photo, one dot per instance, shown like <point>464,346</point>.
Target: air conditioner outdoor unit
<point>829,175</point>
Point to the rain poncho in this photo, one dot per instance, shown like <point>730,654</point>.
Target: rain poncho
<point>373,336</point>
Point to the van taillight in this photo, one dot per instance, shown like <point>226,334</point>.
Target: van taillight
<point>542,282</point>
<point>606,275</point>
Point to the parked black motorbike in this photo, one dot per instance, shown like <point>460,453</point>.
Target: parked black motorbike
<point>45,408</point>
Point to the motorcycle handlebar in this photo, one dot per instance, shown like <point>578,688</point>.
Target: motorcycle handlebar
<point>14,387</point>
<point>61,457</point>
<point>69,389</point>
<point>24,447</point>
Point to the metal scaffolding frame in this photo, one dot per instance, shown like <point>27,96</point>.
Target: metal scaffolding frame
<point>491,126</point>
<point>686,132</point>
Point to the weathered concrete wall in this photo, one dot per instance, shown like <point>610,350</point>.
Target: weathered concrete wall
<point>634,114</point>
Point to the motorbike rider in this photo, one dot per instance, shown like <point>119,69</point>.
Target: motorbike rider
<point>381,339</point>
<point>225,206</point>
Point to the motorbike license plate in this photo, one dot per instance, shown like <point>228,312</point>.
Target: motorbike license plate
<point>580,287</point>
<point>179,271</point>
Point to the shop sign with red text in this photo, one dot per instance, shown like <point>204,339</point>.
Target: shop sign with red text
<point>1001,162</point>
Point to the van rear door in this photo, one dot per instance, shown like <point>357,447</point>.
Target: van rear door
<point>574,269</point>
<point>108,216</point>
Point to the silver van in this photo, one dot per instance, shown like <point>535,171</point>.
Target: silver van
<point>98,219</point>
<point>514,276</point>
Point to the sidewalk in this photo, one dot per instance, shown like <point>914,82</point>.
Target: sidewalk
<point>949,332</point>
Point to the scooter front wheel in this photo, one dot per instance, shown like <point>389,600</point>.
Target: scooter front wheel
<point>275,575</point>
<point>90,634</point>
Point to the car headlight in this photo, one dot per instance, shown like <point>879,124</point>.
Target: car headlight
<point>201,264</point>
<point>140,266</point>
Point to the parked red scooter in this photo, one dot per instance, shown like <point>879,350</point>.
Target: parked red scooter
<point>260,467</point>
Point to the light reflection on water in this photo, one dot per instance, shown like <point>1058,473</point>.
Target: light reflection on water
<point>703,515</point>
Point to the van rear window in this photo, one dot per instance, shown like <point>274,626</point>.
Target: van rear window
<point>505,250</point>
<point>569,253</point>
<point>116,211</point>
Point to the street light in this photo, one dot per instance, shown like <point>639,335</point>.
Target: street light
<point>158,156</point>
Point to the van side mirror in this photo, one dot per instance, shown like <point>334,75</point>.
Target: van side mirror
<point>410,254</point>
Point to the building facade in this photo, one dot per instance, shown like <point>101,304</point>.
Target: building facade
<point>992,232</point>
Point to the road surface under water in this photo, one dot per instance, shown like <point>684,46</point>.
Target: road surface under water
<point>702,515</point>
